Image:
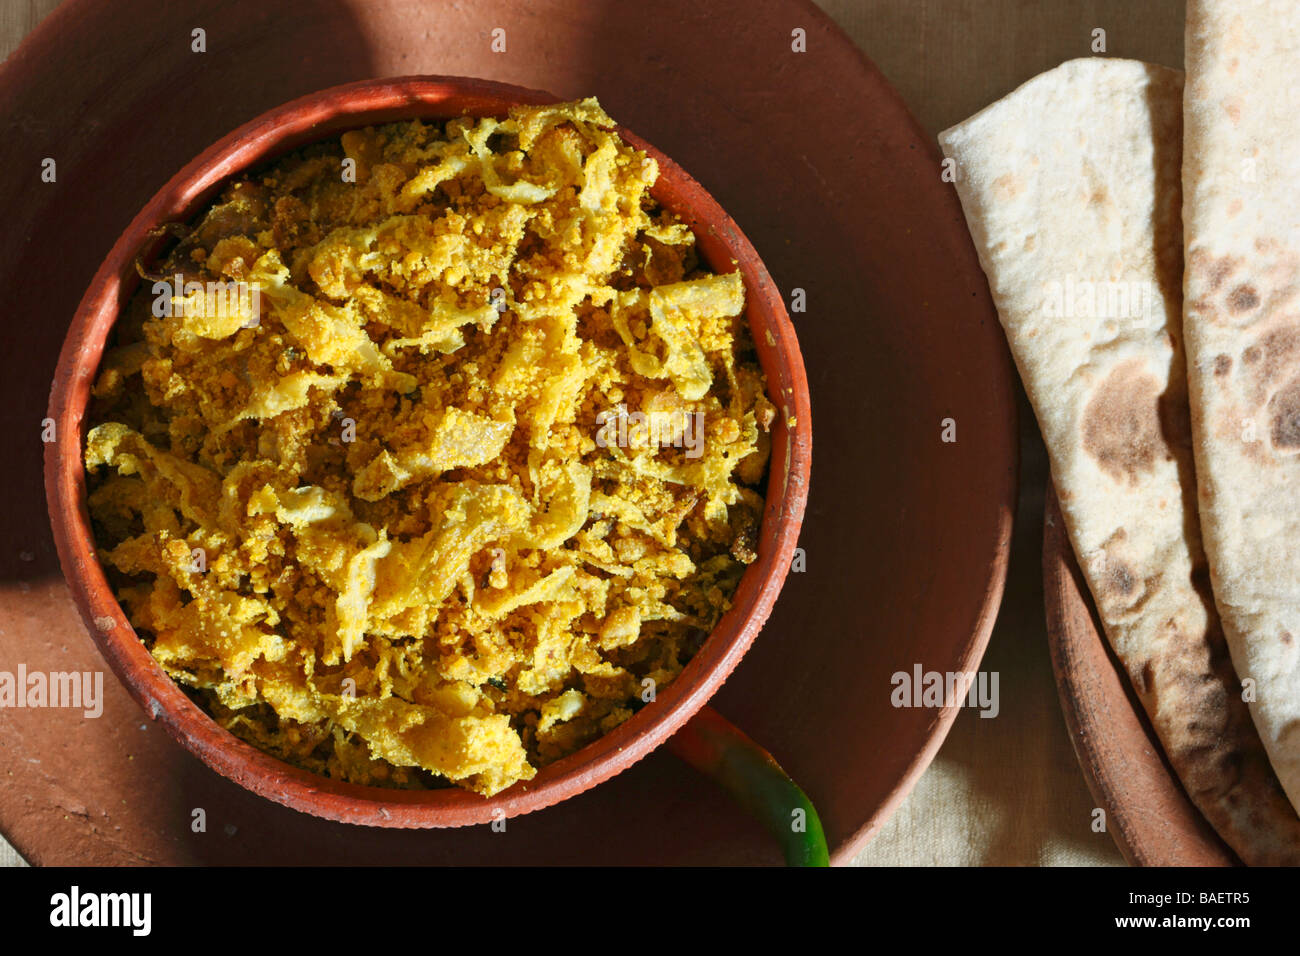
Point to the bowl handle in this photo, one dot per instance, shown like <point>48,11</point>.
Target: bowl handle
<point>719,749</point>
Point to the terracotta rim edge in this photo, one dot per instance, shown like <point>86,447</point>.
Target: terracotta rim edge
<point>1063,587</point>
<point>1054,572</point>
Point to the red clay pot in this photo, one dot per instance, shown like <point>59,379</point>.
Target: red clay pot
<point>319,116</point>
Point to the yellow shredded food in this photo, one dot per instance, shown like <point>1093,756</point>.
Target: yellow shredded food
<point>470,476</point>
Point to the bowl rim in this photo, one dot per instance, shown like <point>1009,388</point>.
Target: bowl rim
<point>314,117</point>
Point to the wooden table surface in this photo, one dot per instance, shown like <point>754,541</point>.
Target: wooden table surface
<point>1006,790</point>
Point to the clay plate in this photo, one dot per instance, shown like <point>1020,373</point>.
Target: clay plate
<point>1147,812</point>
<point>905,539</point>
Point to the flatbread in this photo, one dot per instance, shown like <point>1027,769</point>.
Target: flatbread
<point>1242,324</point>
<point>1070,187</point>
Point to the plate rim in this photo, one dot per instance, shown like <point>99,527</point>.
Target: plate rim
<point>1064,592</point>
<point>1004,378</point>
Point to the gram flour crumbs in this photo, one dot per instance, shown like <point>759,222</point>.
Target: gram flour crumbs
<point>427,449</point>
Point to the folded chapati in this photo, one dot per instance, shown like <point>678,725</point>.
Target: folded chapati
<point>1070,187</point>
<point>1242,210</point>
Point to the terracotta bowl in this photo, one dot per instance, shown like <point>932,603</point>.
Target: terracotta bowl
<point>1148,814</point>
<point>319,116</point>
